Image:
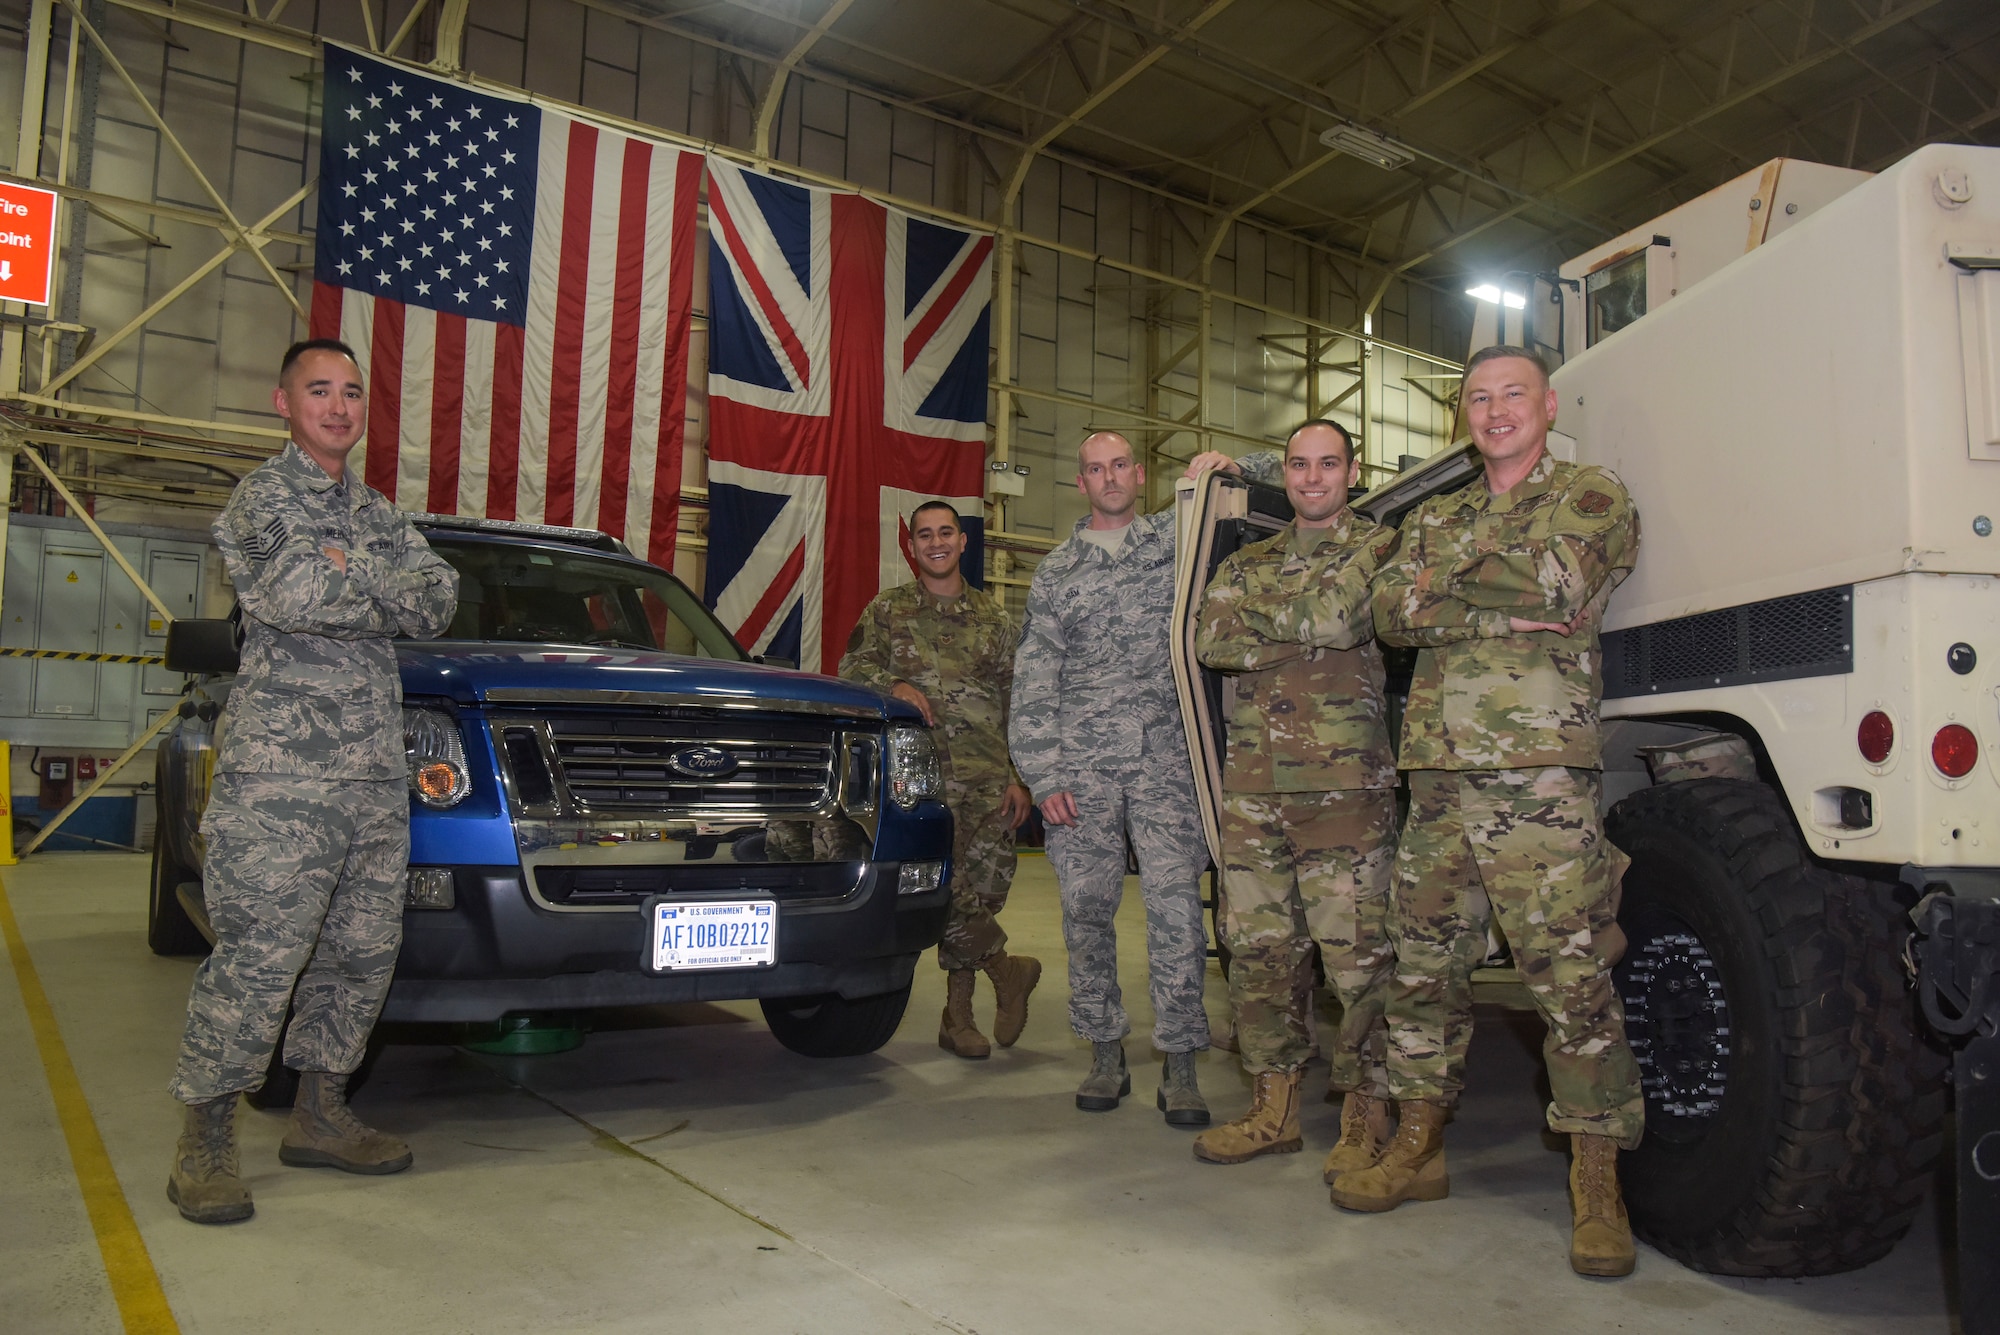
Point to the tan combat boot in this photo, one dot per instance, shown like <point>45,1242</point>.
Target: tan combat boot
<point>206,1182</point>
<point>1270,1127</point>
<point>1365,1129</point>
<point>1600,1239</point>
<point>325,1133</point>
<point>1014,977</point>
<point>1411,1169</point>
<point>957,1033</point>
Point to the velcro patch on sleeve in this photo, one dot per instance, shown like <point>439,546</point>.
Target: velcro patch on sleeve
<point>264,544</point>
<point>1593,503</point>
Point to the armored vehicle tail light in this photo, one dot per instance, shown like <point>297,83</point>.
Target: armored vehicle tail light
<point>436,756</point>
<point>1876,736</point>
<point>914,771</point>
<point>1954,750</point>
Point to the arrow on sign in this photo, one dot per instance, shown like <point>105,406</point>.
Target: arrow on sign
<point>6,270</point>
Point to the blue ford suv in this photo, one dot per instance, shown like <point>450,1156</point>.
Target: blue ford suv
<point>611,804</point>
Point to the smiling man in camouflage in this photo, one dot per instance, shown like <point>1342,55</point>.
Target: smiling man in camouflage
<point>308,821</point>
<point>1096,734</point>
<point>948,649</point>
<point>1308,810</point>
<point>1502,585</point>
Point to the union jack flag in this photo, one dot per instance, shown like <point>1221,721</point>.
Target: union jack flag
<point>847,349</point>
<point>518,286</point>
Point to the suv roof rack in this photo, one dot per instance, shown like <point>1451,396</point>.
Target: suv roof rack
<point>514,528</point>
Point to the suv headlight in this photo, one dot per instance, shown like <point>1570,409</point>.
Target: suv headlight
<point>915,772</point>
<point>436,754</point>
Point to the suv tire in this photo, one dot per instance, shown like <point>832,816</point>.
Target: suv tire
<point>1794,1110</point>
<point>169,929</point>
<point>833,1026</point>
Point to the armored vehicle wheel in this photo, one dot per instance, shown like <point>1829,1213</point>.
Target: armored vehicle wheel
<point>169,930</point>
<point>832,1026</point>
<point>1794,1111</point>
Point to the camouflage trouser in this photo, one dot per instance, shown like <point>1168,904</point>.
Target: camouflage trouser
<point>301,875</point>
<point>1157,806</point>
<point>982,871</point>
<point>1526,847</point>
<point>1301,868</point>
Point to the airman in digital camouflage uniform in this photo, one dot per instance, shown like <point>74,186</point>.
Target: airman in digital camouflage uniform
<point>1308,805</point>
<point>1502,586</point>
<point>308,821</point>
<point>1096,735</point>
<point>948,649</point>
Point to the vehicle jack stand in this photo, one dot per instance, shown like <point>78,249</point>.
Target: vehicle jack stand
<point>530,1034</point>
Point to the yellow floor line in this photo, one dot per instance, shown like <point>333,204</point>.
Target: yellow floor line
<point>135,1285</point>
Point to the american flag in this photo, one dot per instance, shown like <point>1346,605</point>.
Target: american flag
<point>517,285</point>
<point>847,372</point>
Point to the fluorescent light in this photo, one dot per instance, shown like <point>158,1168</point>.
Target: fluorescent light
<point>1358,142</point>
<point>1490,292</point>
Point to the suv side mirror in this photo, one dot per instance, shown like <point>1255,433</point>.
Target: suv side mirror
<point>203,645</point>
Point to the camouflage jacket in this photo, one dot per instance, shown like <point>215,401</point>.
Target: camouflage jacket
<point>1093,685</point>
<point>1551,549</point>
<point>318,693</point>
<point>1307,716</point>
<point>960,653</point>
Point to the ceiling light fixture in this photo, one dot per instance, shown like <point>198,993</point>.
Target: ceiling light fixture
<point>1355,141</point>
<point>1491,292</point>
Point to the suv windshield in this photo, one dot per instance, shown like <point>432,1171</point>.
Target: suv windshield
<point>513,591</point>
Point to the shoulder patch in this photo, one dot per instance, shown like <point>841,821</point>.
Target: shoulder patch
<point>1385,546</point>
<point>1593,503</point>
<point>264,544</point>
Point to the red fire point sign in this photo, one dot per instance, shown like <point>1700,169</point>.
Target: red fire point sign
<point>27,242</point>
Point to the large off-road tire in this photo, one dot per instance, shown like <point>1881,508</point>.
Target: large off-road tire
<point>1794,1106</point>
<point>832,1026</point>
<point>169,930</point>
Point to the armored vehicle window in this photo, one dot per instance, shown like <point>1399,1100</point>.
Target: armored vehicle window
<point>1616,295</point>
<point>543,595</point>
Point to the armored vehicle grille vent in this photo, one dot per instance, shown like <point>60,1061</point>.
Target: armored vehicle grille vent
<point>1804,635</point>
<point>646,764</point>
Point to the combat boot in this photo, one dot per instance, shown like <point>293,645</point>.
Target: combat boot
<point>1180,1092</point>
<point>206,1182</point>
<point>957,1032</point>
<point>1270,1127</point>
<point>1014,977</point>
<point>1365,1129</point>
<point>1600,1239</point>
<point>325,1133</point>
<point>1108,1081</point>
<point>1411,1169</point>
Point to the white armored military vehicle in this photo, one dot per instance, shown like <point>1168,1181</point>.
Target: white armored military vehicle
<point>1797,376</point>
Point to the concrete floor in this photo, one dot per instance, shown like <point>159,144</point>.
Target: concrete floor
<point>683,1172</point>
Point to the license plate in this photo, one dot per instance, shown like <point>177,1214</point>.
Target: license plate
<point>711,934</point>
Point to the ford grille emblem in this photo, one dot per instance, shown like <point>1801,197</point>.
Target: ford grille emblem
<point>702,762</point>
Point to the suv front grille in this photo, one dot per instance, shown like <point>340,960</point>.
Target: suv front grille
<point>609,764</point>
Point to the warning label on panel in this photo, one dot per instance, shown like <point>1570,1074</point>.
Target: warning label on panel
<point>27,242</point>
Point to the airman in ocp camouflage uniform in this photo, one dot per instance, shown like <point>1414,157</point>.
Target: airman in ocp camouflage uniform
<point>1502,586</point>
<point>1308,805</point>
<point>308,824</point>
<point>948,649</point>
<point>1096,734</point>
